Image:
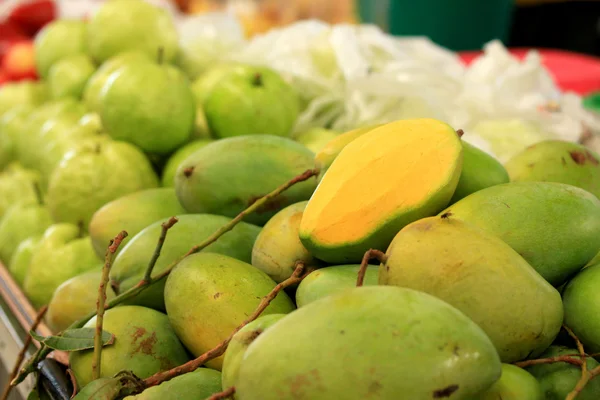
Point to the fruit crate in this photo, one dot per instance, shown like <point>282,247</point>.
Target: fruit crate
<point>16,318</point>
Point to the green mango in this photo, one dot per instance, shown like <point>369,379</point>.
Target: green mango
<point>170,169</point>
<point>370,342</point>
<point>480,275</point>
<point>129,266</point>
<point>316,138</point>
<point>61,254</point>
<point>74,299</point>
<point>19,262</point>
<point>19,185</point>
<point>239,344</point>
<point>557,380</point>
<point>557,161</point>
<point>329,280</point>
<point>278,246</point>
<point>19,223</point>
<point>132,213</point>
<point>100,389</point>
<point>207,295</point>
<point>514,384</point>
<point>228,175</point>
<point>145,344</point>
<point>580,296</point>
<point>554,226</point>
<point>480,170</point>
<point>199,384</point>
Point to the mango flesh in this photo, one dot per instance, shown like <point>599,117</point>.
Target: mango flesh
<point>379,183</point>
<point>483,277</point>
<point>145,344</point>
<point>557,161</point>
<point>329,280</point>
<point>557,380</point>
<point>199,384</point>
<point>514,384</point>
<point>370,342</point>
<point>278,247</point>
<point>580,296</point>
<point>208,295</point>
<point>324,157</point>
<point>480,170</point>
<point>74,299</point>
<point>228,175</point>
<point>554,226</point>
<point>239,343</point>
<point>132,213</point>
<point>130,265</point>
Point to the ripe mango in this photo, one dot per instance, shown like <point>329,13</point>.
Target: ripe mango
<point>226,176</point>
<point>74,299</point>
<point>559,379</point>
<point>144,344</point>
<point>480,170</point>
<point>207,295</point>
<point>557,161</point>
<point>514,384</point>
<point>329,280</point>
<point>380,182</point>
<point>371,342</point>
<point>580,296</point>
<point>278,247</point>
<point>324,157</point>
<point>480,275</point>
<point>554,226</point>
<point>132,213</point>
<point>239,343</point>
<point>199,384</point>
<point>130,265</point>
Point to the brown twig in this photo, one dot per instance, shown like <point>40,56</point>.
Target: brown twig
<point>586,375</point>
<point>43,351</point>
<point>225,394</point>
<point>165,226</point>
<point>108,260</point>
<point>550,360</point>
<point>21,354</point>
<point>371,253</point>
<point>297,276</point>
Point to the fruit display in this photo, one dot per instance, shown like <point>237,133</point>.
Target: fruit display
<point>229,231</point>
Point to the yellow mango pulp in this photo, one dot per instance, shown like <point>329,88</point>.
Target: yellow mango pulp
<point>381,181</point>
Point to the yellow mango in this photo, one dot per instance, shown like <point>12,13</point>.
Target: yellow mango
<point>380,182</point>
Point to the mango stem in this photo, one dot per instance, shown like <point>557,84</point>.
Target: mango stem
<point>108,260</point>
<point>371,253</point>
<point>225,394</point>
<point>165,226</point>
<point>299,274</point>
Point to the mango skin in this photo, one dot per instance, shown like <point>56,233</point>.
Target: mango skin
<point>228,175</point>
<point>278,247</point>
<point>132,213</point>
<point>480,170</point>
<point>129,266</point>
<point>371,342</point>
<point>557,380</point>
<point>199,384</point>
<point>344,181</point>
<point>557,161</point>
<point>580,296</point>
<point>329,280</point>
<point>324,157</point>
<point>74,299</point>
<point>170,168</point>
<point>207,295</point>
<point>239,343</point>
<point>554,226</point>
<point>145,344</point>
<point>483,277</point>
<point>514,384</point>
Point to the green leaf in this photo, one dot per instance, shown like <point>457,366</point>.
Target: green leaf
<point>74,339</point>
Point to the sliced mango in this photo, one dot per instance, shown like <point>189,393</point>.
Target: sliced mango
<point>380,182</point>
